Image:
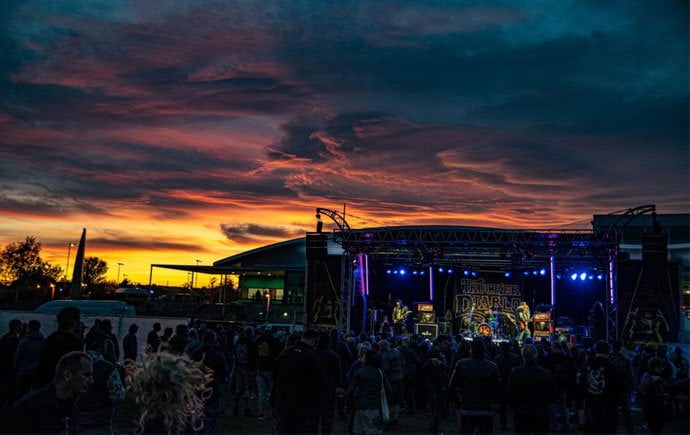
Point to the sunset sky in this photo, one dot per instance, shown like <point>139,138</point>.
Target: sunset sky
<point>184,130</point>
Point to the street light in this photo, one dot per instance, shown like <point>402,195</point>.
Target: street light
<point>118,271</point>
<point>194,275</point>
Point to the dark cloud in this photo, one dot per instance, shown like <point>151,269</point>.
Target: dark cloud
<point>247,233</point>
<point>154,244</point>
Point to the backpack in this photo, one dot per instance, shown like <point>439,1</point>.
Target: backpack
<point>241,353</point>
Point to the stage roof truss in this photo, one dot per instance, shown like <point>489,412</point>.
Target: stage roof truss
<point>505,249</point>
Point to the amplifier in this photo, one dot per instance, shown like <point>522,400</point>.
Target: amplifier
<point>539,336</point>
<point>425,330</point>
<point>542,317</point>
<point>543,326</point>
<point>425,317</point>
<point>426,308</point>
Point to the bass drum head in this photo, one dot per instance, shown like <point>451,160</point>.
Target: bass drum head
<point>485,330</point>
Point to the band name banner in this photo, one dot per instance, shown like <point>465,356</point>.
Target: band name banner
<point>480,302</point>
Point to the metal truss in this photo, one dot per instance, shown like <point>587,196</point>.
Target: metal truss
<point>479,246</point>
<point>346,290</point>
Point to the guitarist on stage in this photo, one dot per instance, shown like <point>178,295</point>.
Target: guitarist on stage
<point>523,317</point>
<point>400,313</point>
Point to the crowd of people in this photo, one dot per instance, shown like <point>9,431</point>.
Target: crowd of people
<point>73,381</point>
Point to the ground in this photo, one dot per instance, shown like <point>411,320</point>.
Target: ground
<point>409,423</point>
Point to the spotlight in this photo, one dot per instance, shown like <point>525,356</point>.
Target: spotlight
<point>403,271</point>
<point>388,272</point>
<point>395,272</point>
<point>535,272</point>
<point>583,276</point>
<point>573,276</point>
<point>466,272</point>
<point>450,270</point>
<point>558,276</point>
<point>474,273</point>
<point>542,272</point>
<point>440,269</point>
<point>422,272</point>
<point>508,274</point>
<point>526,273</point>
<point>590,277</point>
<point>600,277</point>
<point>414,272</point>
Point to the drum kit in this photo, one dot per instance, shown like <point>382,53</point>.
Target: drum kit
<point>496,324</point>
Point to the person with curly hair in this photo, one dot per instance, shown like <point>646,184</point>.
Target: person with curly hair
<point>170,391</point>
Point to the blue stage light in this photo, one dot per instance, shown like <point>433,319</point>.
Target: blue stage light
<point>558,276</point>
<point>583,276</point>
<point>474,273</point>
<point>535,272</point>
<point>395,272</point>
<point>466,272</point>
<point>600,277</point>
<point>450,270</point>
<point>542,272</point>
<point>526,273</point>
<point>388,271</point>
<point>440,269</point>
<point>508,274</point>
<point>590,276</point>
<point>414,272</point>
<point>403,271</point>
<point>422,272</point>
<point>573,276</point>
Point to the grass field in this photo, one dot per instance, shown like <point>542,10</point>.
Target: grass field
<point>409,423</point>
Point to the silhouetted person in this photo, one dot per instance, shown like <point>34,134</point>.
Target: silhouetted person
<point>26,357</point>
<point>66,339</point>
<point>97,406</point>
<point>112,350</point>
<point>179,341</point>
<point>602,384</point>
<point>653,396</point>
<point>369,381</point>
<point>153,341</point>
<point>478,383</point>
<point>215,361</point>
<point>8,347</point>
<point>130,346</point>
<point>530,391</point>
<point>51,409</point>
<point>298,378</point>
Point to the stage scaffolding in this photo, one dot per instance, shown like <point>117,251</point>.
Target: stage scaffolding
<point>480,249</point>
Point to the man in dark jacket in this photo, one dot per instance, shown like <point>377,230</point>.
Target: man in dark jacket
<point>530,390</point>
<point>152,339</point>
<point>506,361</point>
<point>267,350</point>
<point>342,349</point>
<point>66,339</point>
<point>97,406</point>
<point>26,358</point>
<point>215,361</point>
<point>112,348</point>
<point>477,381</point>
<point>436,374</point>
<point>129,343</point>
<point>602,383</point>
<point>334,379</point>
<point>298,377</point>
<point>51,409</point>
<point>8,347</point>
<point>563,372</point>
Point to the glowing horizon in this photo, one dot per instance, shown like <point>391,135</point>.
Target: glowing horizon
<point>185,131</point>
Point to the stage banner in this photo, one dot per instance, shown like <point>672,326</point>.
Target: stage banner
<point>648,296</point>
<point>479,303</point>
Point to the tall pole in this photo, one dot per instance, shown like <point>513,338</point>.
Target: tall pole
<point>118,271</point>
<point>69,254</point>
<point>195,275</point>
